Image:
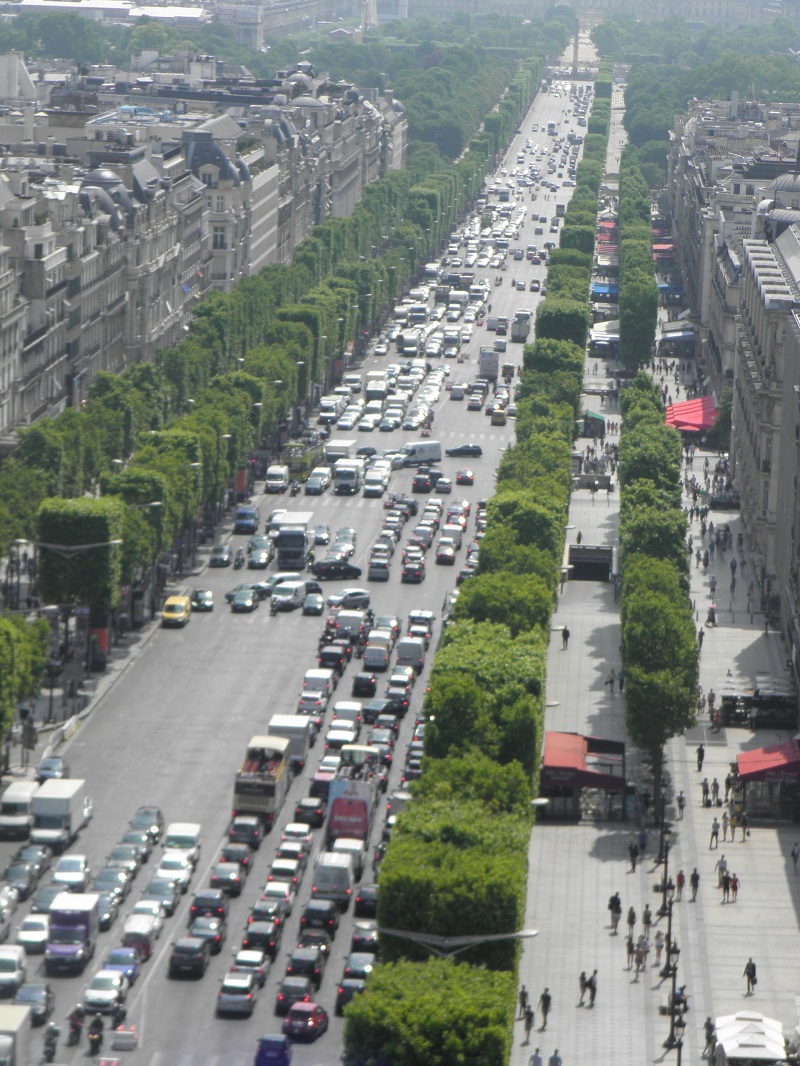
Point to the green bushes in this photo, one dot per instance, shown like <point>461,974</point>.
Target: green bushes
<point>638,292</point>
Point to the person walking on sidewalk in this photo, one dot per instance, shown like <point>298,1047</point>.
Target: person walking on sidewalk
<point>592,987</point>
<point>705,790</point>
<point>725,823</point>
<point>555,1059</point>
<point>700,755</point>
<point>714,841</point>
<point>631,920</point>
<point>681,801</point>
<point>583,983</point>
<point>720,868</point>
<point>714,791</point>
<point>615,909</point>
<point>708,1032</point>
<point>611,679</point>
<point>694,882</point>
<point>734,887</point>
<point>658,946</point>
<point>523,1001</point>
<point>750,973</point>
<point>528,1023</point>
<point>744,822</point>
<point>680,881</point>
<point>630,949</point>
<point>726,887</point>
<point>647,921</point>
<point>633,854</point>
<point>535,1059</point>
<point>564,638</point>
<point>795,855</point>
<point>545,1001</point>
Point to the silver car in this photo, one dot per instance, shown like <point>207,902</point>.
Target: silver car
<point>237,993</point>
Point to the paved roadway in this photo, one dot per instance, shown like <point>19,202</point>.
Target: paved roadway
<point>173,728</point>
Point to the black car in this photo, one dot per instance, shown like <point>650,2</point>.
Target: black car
<point>459,450</point>
<point>422,483</point>
<point>220,555</point>
<point>333,569</point>
<point>373,709</point>
<point>164,892</point>
<point>349,988</point>
<point>263,936</point>
<point>202,600</point>
<point>209,903</point>
<point>366,902</point>
<point>310,811</point>
<point>150,820</point>
<point>307,962</point>
<point>38,854</point>
<point>214,930</point>
<point>190,955</point>
<point>365,684</point>
<point>22,877</point>
<point>241,853</point>
<point>39,997</point>
<point>292,990</point>
<point>320,914</point>
<point>332,657</point>
<point>266,910</point>
<point>107,911</point>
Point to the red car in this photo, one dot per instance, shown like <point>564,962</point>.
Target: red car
<point>305,1021</point>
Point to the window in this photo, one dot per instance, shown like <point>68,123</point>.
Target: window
<point>220,203</point>
<point>218,241</point>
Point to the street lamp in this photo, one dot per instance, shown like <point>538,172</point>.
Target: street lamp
<point>666,886</point>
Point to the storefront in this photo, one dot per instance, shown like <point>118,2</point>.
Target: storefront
<point>582,777</point>
<point>768,781</point>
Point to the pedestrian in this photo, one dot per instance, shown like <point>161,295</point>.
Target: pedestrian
<point>725,823</point>
<point>545,1000</point>
<point>642,841</point>
<point>700,634</point>
<point>592,989</point>
<point>564,638</point>
<point>705,789</point>
<point>555,1058</point>
<point>631,920</point>
<point>714,841</point>
<point>630,949</point>
<point>728,784</point>
<point>638,958</point>
<point>615,909</point>
<point>528,1023</point>
<point>579,537</point>
<point>795,855</point>
<point>621,679</point>
<point>720,868</point>
<point>611,679</point>
<point>582,982</point>
<point>535,1059</point>
<point>680,881</point>
<point>726,887</point>
<point>715,792</point>
<point>643,947</point>
<point>750,974</point>
<point>523,1001</point>
<point>647,920</point>
<point>658,945</point>
<point>708,1031</point>
<point>744,822</point>
<point>681,802</point>
<point>633,854</point>
<point>700,755</point>
<point>734,887</point>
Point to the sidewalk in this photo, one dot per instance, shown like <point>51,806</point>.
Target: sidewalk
<point>575,868</point>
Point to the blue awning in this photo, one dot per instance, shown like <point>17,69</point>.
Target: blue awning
<point>605,290</point>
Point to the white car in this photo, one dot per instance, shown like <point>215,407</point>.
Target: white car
<point>177,869</point>
<point>152,909</point>
<point>282,893</point>
<point>72,873</point>
<point>311,703</point>
<point>33,933</point>
<point>105,990</point>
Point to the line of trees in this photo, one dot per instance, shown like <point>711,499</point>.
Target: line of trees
<point>659,650</point>
<point>638,291</point>
<point>457,861</point>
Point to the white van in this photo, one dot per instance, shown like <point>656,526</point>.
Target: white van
<point>277,479</point>
<point>454,532</point>
<point>374,483</point>
<point>421,451</point>
<point>333,878</point>
<point>357,851</point>
<point>16,816</point>
<point>376,657</point>
<point>411,652</point>
<point>184,837</point>
<point>353,381</point>
<point>348,711</point>
<point>288,595</point>
<point>323,681</point>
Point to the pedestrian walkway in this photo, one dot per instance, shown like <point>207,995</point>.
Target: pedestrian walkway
<point>574,869</point>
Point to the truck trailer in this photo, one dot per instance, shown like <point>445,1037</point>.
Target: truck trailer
<point>292,536</point>
<point>488,364</point>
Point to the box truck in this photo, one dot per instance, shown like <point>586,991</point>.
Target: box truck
<point>15,1036</point>
<point>60,809</point>
<point>296,728</point>
<point>16,815</point>
<point>74,924</point>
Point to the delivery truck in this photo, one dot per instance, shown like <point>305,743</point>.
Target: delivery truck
<point>297,729</point>
<point>15,1036</point>
<point>74,924</point>
<point>488,364</point>
<point>338,449</point>
<point>293,538</point>
<point>60,809</point>
<point>16,814</point>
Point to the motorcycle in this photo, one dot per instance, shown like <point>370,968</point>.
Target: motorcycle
<point>294,488</point>
<point>95,1038</point>
<point>273,606</point>
<point>238,559</point>
<point>75,1027</point>
<point>51,1042</point>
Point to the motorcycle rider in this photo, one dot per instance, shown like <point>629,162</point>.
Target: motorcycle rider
<point>95,1031</point>
<point>75,1019</point>
<point>50,1041</point>
<point>118,1015</point>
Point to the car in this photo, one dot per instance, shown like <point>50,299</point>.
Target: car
<point>311,811</point>
<point>379,569</point>
<point>106,990</point>
<point>202,600</point>
<point>350,599</point>
<point>166,892</point>
<point>290,991</point>
<point>316,938</point>
<point>258,559</point>
<point>126,857</point>
<point>220,555</point>
<point>365,936</point>
<point>307,962</point>
<point>214,930</point>
<point>366,901</point>
<point>38,997</point>
<point>444,485</point>
<point>237,994</point>
<point>72,873</point>
<point>465,477</point>
<point>322,533</point>
<point>422,483</point>
<point>39,855</point>
<point>314,603</point>
<point>238,853</point>
<point>314,486</point>
<point>43,898</point>
<point>261,934</point>
<point>359,964</point>
<point>246,829</point>
<point>464,450</point>
<point>189,955</point>
<point>114,881</point>
<point>150,908</point>
<point>244,601</point>
<point>21,876</point>
<point>348,989</point>
<point>227,876</point>
<point>413,572</point>
<point>51,768</point>
<point>320,914</point>
<point>445,554</point>
<point>253,961</point>
<point>209,903</point>
<point>365,683</point>
<point>175,868</point>
<point>150,820</point>
<point>33,932</point>
<point>305,1021</point>
<point>335,568</point>
<point>126,961</point>
<point>176,611</point>
<point>381,348</point>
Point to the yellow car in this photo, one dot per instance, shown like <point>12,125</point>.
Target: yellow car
<point>177,611</point>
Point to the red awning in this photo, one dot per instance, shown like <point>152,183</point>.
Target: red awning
<point>692,416</point>
<point>780,762</point>
<point>571,760</point>
<point>606,224</point>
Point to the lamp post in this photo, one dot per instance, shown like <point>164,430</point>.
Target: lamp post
<point>666,885</point>
<point>676,1021</point>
